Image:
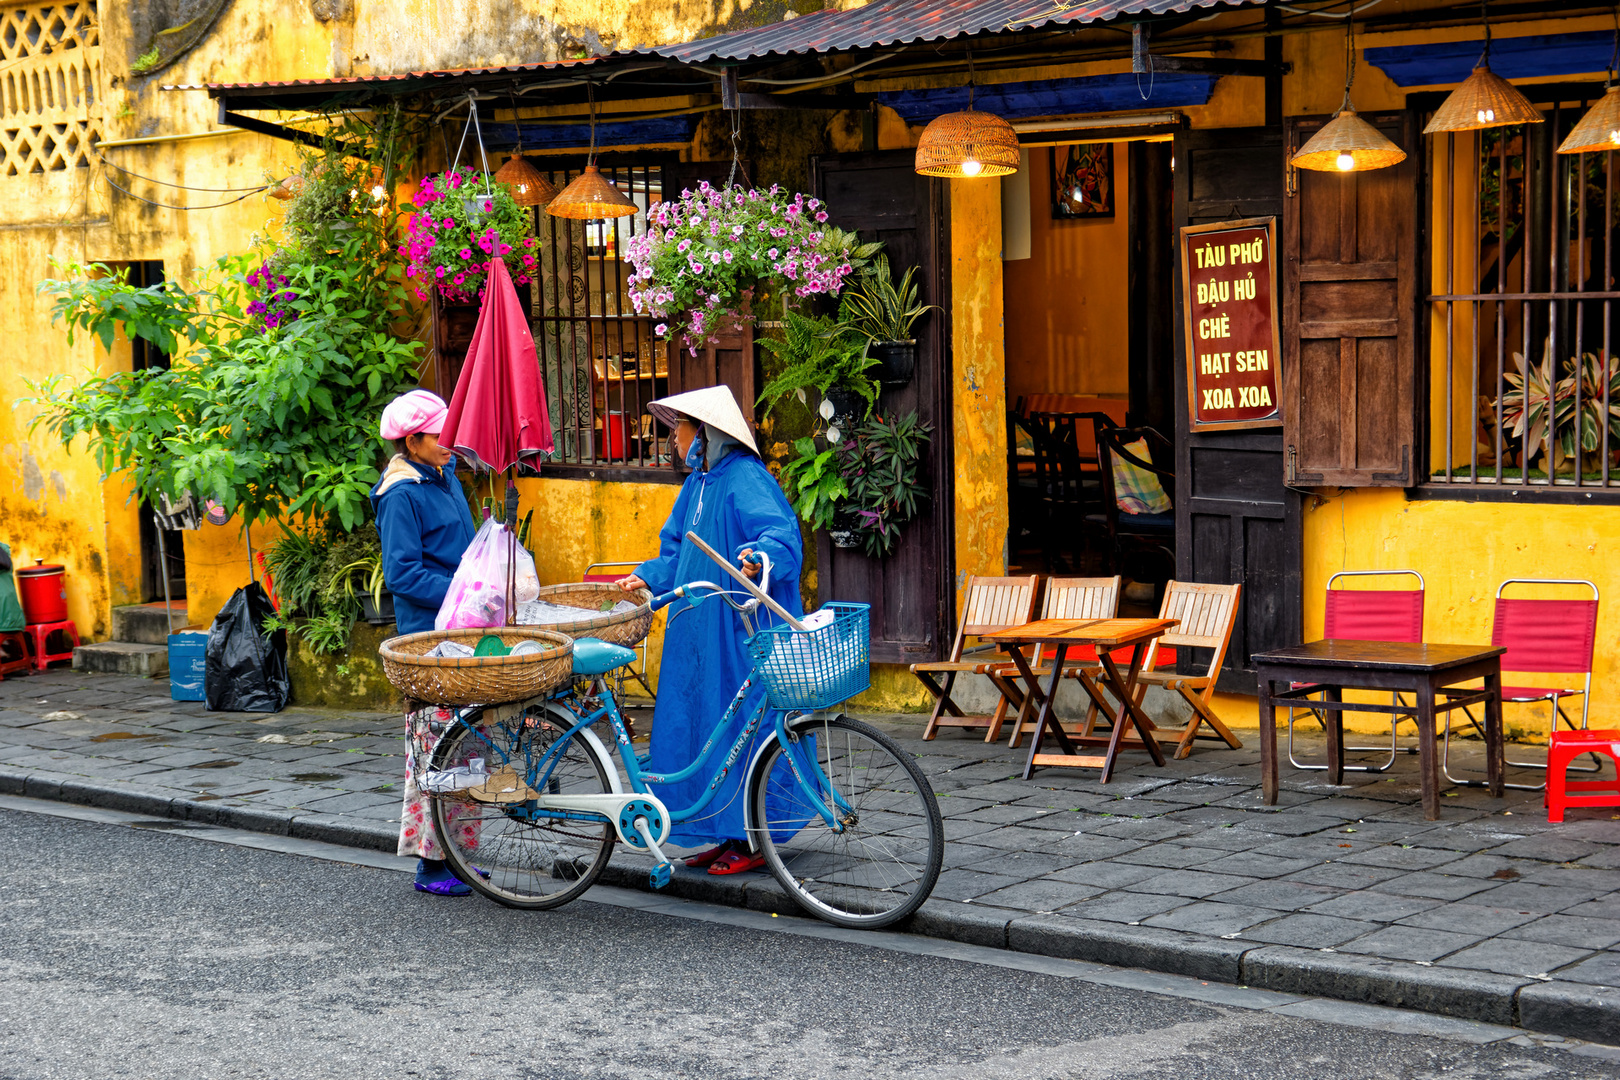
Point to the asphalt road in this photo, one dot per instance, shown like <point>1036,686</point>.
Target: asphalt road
<point>135,952</point>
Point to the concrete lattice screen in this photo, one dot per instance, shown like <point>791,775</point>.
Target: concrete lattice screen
<point>50,66</point>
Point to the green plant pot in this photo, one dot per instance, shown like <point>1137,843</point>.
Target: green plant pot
<point>897,362</point>
<point>377,614</point>
<point>847,408</point>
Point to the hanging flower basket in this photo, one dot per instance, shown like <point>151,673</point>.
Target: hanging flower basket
<point>459,227</point>
<point>707,254</point>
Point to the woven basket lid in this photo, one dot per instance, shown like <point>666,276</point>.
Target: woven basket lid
<point>951,141</point>
<point>529,187</point>
<point>590,197</point>
<point>1347,133</point>
<point>1599,129</point>
<point>1483,100</point>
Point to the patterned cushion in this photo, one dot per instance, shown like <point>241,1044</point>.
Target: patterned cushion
<point>1136,490</point>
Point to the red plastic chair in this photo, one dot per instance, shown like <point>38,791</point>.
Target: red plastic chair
<point>1563,749</point>
<point>1370,615</point>
<point>1543,637</point>
<point>610,572</point>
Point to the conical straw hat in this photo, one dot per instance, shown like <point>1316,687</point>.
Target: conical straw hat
<point>713,405</point>
<point>1597,129</point>
<point>1349,134</point>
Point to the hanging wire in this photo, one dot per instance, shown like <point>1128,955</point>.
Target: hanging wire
<point>1350,54</point>
<point>170,206</point>
<point>1485,20</point>
<point>736,150</point>
<point>474,126</point>
<point>1153,75</point>
<point>1614,54</point>
<point>182,187</point>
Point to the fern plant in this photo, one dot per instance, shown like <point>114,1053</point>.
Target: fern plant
<point>820,354</point>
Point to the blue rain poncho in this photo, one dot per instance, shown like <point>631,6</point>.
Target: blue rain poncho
<point>425,527</point>
<point>734,504</point>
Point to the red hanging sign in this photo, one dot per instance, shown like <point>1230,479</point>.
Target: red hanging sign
<point>1229,303</point>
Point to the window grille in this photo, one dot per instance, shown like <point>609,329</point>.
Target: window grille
<point>1524,380</point>
<point>602,363</point>
<point>50,68</point>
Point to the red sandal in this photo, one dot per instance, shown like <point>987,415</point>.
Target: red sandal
<point>707,858</point>
<point>736,862</point>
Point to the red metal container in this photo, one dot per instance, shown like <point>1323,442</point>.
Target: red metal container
<point>43,590</point>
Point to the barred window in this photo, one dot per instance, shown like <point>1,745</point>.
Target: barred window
<point>602,363</point>
<point>1524,381</point>
<point>50,68</point>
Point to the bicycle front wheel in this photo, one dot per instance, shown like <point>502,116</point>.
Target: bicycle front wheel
<point>880,863</point>
<point>501,849</point>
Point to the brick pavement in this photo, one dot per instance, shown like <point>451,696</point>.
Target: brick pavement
<point>1491,913</point>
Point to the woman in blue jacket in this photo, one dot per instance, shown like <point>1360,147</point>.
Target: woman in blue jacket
<point>736,506</point>
<point>425,526</point>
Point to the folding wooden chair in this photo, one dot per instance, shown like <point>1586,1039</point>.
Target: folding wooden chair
<point>1207,613</point>
<point>1066,598</point>
<point>991,604</point>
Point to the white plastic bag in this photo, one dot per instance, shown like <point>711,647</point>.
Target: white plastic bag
<point>477,596</point>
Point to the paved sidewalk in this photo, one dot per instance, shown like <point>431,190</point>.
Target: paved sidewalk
<point>1490,914</point>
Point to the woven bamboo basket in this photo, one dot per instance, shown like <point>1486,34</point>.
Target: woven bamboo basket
<point>476,680</point>
<point>628,628</point>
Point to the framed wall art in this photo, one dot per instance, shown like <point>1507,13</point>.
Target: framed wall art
<point>1083,180</point>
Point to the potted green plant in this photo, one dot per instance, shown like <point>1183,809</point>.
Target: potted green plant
<point>376,602</point>
<point>821,354</point>
<point>884,312</point>
<point>814,483</point>
<point>881,464</point>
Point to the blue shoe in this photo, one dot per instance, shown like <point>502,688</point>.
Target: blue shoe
<point>437,879</point>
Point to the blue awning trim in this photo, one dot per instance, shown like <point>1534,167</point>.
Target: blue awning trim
<point>1056,97</point>
<point>1443,63</point>
<point>669,129</point>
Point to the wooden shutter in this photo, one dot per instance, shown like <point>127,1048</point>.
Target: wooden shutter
<point>1236,522</point>
<point>1350,271</point>
<point>912,592</point>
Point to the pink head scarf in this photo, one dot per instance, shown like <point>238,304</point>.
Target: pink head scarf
<point>419,411</point>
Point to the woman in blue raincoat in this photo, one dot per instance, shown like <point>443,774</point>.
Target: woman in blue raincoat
<point>733,503</point>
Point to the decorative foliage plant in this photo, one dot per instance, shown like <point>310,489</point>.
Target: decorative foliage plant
<point>881,462</point>
<point>1534,400</point>
<point>880,309</point>
<point>820,354</point>
<point>709,253</point>
<point>319,576</point>
<point>459,228</point>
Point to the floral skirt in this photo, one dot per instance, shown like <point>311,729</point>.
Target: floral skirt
<point>417,834</point>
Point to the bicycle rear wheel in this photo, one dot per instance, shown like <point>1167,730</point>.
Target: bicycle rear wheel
<point>496,848</point>
<point>883,863</point>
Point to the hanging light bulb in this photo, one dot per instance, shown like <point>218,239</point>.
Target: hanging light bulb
<point>968,144</point>
<point>1484,99</point>
<point>591,195</point>
<point>1347,143</point>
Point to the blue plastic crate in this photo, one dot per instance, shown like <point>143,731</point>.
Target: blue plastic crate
<point>188,660</point>
<point>815,669</point>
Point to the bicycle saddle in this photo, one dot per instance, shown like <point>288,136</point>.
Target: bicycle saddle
<point>593,656</point>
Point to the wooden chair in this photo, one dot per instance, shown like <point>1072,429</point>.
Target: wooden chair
<point>1066,598</point>
<point>991,604</point>
<point>1152,536</point>
<point>1207,613</point>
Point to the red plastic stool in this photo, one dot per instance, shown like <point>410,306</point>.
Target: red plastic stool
<point>1565,747</point>
<point>16,641</point>
<point>40,634</point>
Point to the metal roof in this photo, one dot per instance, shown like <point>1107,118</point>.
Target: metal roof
<point>899,22</point>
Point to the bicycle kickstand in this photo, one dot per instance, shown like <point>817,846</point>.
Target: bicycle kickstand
<point>659,875</point>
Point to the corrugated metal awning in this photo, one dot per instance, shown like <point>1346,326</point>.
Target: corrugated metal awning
<point>901,22</point>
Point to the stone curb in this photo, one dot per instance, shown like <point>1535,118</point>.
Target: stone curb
<point>1574,1010</point>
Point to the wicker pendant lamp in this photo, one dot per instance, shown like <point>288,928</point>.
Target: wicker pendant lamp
<point>1347,143</point>
<point>1484,99</point>
<point>529,187</point>
<point>968,143</point>
<point>591,196</point>
<point>1599,129</point>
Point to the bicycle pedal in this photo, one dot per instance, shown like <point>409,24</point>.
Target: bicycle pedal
<point>659,875</point>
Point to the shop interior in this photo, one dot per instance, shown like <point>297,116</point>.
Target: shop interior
<point>1080,398</point>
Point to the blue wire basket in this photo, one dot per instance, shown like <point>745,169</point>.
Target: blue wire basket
<point>815,669</point>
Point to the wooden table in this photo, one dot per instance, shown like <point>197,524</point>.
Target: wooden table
<point>1059,636</point>
<point>1332,666</point>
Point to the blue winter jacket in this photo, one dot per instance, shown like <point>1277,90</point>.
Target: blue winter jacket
<point>425,526</point>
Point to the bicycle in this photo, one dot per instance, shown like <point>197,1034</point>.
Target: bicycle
<point>846,820</point>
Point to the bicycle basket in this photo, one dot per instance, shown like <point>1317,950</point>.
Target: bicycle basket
<point>815,669</point>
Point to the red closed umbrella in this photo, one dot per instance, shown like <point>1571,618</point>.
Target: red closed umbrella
<point>498,415</point>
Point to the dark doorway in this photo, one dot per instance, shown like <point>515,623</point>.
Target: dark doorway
<point>167,557</point>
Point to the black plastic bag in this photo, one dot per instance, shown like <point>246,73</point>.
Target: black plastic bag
<point>246,668</point>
